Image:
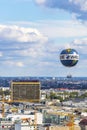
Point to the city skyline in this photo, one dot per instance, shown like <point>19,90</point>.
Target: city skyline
<point>34,32</point>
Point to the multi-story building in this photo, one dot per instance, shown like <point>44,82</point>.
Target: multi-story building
<point>25,90</point>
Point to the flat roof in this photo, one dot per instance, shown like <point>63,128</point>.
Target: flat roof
<point>25,81</point>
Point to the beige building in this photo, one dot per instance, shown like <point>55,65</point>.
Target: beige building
<point>25,90</point>
<point>63,128</point>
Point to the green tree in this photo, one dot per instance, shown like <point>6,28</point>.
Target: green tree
<point>73,94</point>
<point>52,95</point>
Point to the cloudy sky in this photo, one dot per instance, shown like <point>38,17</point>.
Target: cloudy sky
<point>34,32</point>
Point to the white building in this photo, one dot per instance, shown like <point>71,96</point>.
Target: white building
<point>25,126</point>
<point>36,117</point>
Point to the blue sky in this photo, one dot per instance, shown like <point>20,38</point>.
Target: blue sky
<point>34,32</point>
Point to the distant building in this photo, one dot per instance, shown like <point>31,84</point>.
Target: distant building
<point>25,90</point>
<point>31,118</point>
<point>63,128</point>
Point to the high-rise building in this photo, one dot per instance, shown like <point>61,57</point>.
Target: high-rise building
<point>25,90</point>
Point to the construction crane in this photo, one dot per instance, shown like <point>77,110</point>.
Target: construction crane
<point>71,124</point>
<point>71,116</point>
<point>3,107</point>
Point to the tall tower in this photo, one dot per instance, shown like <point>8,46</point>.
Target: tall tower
<point>27,90</point>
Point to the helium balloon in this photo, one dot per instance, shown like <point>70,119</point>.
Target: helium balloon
<point>69,57</point>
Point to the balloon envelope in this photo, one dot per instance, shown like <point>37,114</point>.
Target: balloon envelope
<point>69,57</point>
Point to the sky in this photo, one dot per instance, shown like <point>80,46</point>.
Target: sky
<point>34,32</point>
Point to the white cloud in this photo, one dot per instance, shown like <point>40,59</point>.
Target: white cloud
<point>40,1</point>
<point>20,34</point>
<point>79,7</point>
<point>14,63</point>
<point>19,64</point>
<point>81,46</point>
<point>59,28</point>
<point>64,29</point>
<point>1,54</point>
<point>80,42</point>
<point>18,41</point>
<point>82,4</point>
<point>32,52</point>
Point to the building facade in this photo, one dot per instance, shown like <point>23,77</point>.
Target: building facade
<point>25,90</point>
